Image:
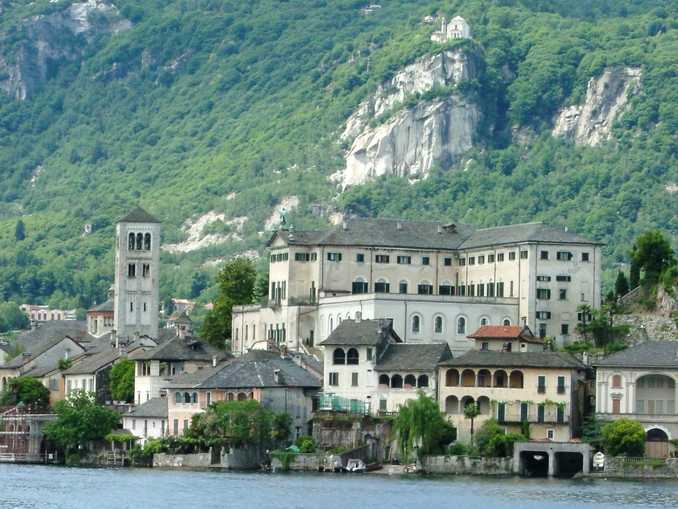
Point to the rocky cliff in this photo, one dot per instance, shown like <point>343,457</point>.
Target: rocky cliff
<point>606,96</point>
<point>48,40</point>
<point>411,140</point>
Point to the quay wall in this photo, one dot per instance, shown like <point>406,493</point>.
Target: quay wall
<point>466,465</point>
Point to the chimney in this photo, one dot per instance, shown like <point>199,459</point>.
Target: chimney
<point>276,376</point>
<point>440,228</point>
<point>214,361</point>
<point>399,225</point>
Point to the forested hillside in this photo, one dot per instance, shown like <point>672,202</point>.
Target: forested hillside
<point>235,108</point>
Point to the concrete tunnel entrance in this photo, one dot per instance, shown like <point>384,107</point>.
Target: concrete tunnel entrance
<point>534,464</point>
<point>551,459</point>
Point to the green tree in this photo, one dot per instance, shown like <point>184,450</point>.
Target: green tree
<point>121,381</point>
<point>281,427</point>
<point>471,411</point>
<point>26,390</point>
<point>80,420</point>
<point>237,423</point>
<point>11,317</point>
<point>623,436</point>
<point>236,287</point>
<point>421,427</point>
<point>621,285</point>
<point>19,231</point>
<point>634,273</point>
<point>652,253</point>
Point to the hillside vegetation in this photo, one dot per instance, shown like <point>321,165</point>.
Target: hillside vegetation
<point>231,106</point>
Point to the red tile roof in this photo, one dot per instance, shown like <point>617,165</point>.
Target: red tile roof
<point>504,332</point>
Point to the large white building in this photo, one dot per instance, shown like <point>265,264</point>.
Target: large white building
<point>437,282</point>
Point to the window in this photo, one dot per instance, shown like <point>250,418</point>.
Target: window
<point>131,307</point>
<point>542,330</point>
<point>404,260</point>
<point>445,289</point>
<point>616,382</point>
<point>140,241</point>
<point>314,257</point>
<point>561,385</point>
<point>147,242</point>
<point>402,287</point>
<point>131,270</point>
<point>130,245</point>
<point>543,278</point>
<point>369,354</point>
<point>302,257</point>
<point>543,315</point>
<point>462,262</point>
<point>461,325</point>
<point>333,257</point>
<point>523,411</point>
<point>339,356</point>
<point>500,257</point>
<point>448,262</point>
<point>416,324</point>
<point>438,325</point>
<point>490,258</point>
<point>480,290</point>
<point>563,278</point>
<point>564,256</point>
<point>490,289</point>
<point>543,255</point>
<point>359,287</point>
<point>382,258</point>
<point>382,286</point>
<point>523,255</point>
<point>471,260</point>
<point>146,270</point>
<point>564,329</point>
<point>585,257</point>
<point>562,294</point>
<point>462,290</point>
<point>334,379</point>
<point>541,384</point>
<point>425,260</point>
<point>550,433</point>
<point>485,346</point>
<point>543,294</point>
<point>360,257</point>
<point>425,288</point>
<point>352,357</point>
<point>176,426</point>
<point>354,379</point>
<point>481,259</point>
<point>382,405</point>
<point>500,289</point>
<point>512,255</point>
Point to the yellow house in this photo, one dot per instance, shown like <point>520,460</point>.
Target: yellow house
<point>542,390</point>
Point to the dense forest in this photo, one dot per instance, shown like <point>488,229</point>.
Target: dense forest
<point>230,106</point>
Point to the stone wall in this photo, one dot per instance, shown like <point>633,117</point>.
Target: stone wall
<point>248,458</point>
<point>330,435</point>
<point>197,460</point>
<point>466,465</point>
<point>315,462</point>
<point>648,327</point>
<point>640,468</point>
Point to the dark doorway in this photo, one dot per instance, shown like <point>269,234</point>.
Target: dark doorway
<point>534,464</point>
<point>568,464</point>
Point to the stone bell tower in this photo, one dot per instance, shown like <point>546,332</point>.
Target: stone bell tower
<point>137,281</point>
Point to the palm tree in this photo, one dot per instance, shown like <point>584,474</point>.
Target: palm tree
<point>471,411</point>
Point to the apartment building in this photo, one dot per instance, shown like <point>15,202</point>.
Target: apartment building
<point>437,282</point>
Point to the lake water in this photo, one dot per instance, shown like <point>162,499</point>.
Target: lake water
<point>44,487</point>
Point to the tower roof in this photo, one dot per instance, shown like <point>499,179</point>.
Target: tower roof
<point>138,215</point>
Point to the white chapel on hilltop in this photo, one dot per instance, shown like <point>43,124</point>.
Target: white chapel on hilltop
<point>457,28</point>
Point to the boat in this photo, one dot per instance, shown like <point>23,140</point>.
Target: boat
<point>371,467</point>
<point>356,466</point>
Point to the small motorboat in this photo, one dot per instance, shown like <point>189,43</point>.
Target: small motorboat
<point>356,466</point>
<point>371,467</point>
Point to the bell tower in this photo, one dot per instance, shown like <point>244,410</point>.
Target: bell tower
<point>137,267</point>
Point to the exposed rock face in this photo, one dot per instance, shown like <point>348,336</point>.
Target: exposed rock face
<point>413,139</point>
<point>590,123</point>
<point>51,39</point>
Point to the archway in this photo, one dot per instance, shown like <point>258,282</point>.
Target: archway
<point>384,380</point>
<point>516,380</point>
<point>396,382</point>
<point>452,378</point>
<point>484,405</point>
<point>656,443</point>
<point>655,394</point>
<point>452,405</point>
<point>468,378</point>
<point>410,381</point>
<point>422,381</point>
<point>484,378</point>
<point>500,379</point>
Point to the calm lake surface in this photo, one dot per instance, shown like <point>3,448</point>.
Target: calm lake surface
<point>28,487</point>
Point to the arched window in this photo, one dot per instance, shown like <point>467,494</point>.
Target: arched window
<point>402,287</point>
<point>360,285</point>
<point>187,397</point>
<point>339,356</point>
<point>352,356</point>
<point>452,405</point>
<point>396,382</point>
<point>452,378</point>
<point>483,405</point>
<point>483,321</point>
<point>384,380</point>
<point>382,286</point>
<point>506,322</point>
<point>242,396</point>
<point>617,381</point>
<point>411,381</point>
<point>438,325</point>
<point>140,241</point>
<point>484,378</point>
<point>422,381</point>
<point>461,325</point>
<point>178,398</point>
<point>468,378</point>
<point>465,401</point>
<point>147,242</point>
<point>331,325</point>
<point>130,245</point>
<point>230,396</point>
<point>500,379</point>
<point>194,397</point>
<point>416,324</point>
<point>516,380</point>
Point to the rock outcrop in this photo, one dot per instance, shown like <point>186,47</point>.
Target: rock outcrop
<point>51,39</point>
<point>590,123</point>
<point>412,139</point>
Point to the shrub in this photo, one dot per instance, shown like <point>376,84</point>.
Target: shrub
<point>458,449</point>
<point>625,437</point>
<point>306,444</point>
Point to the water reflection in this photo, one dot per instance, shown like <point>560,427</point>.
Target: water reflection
<point>29,487</point>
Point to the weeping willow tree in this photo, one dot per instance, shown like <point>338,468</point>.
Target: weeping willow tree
<point>421,428</point>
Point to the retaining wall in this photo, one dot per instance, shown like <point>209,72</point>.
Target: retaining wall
<point>466,465</point>
<point>197,460</point>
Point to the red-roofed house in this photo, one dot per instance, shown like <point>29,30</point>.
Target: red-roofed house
<point>507,338</point>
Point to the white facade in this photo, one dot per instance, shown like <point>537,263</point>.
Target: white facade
<point>457,28</point>
<point>137,263</point>
<point>145,427</point>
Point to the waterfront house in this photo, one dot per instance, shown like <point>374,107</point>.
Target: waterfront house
<point>639,383</point>
<point>542,390</point>
<point>148,420</point>
<point>91,373</point>
<point>370,368</point>
<point>507,338</point>
<point>271,378</point>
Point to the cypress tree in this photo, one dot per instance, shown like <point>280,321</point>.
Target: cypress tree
<point>621,285</point>
<point>20,231</point>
